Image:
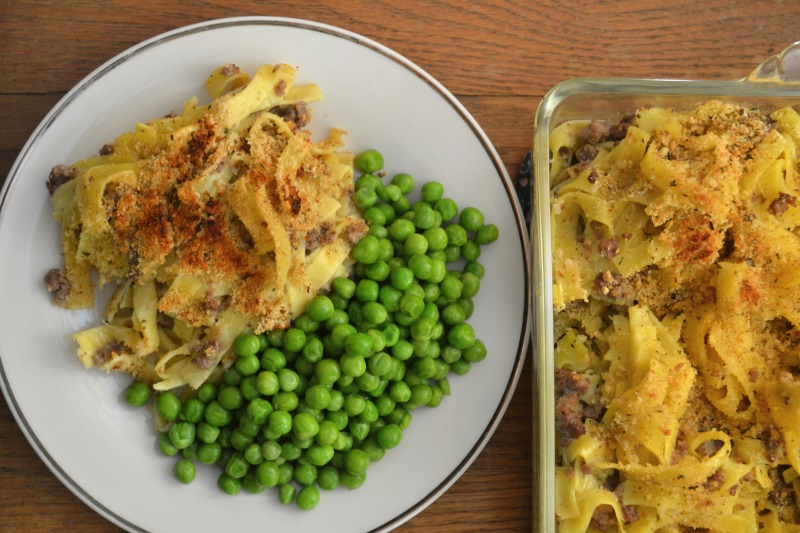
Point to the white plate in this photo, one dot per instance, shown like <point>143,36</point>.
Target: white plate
<point>75,419</point>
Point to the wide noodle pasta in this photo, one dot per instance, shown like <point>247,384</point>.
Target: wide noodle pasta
<point>224,218</point>
<point>676,282</point>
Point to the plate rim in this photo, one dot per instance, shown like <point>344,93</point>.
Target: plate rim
<point>374,46</point>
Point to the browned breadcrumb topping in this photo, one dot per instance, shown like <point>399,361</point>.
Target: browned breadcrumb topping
<point>695,224</point>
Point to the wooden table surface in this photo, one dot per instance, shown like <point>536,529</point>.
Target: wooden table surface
<point>499,58</point>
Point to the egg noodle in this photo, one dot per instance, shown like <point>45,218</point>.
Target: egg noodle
<point>224,218</point>
<point>676,281</point>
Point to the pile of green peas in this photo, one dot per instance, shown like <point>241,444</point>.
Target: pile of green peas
<point>311,407</point>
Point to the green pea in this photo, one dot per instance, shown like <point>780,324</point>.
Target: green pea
<point>252,454</point>
<point>447,208</point>
<point>267,383</point>
<point>355,313</point>
<point>422,328</point>
<point>209,452</point>
<point>432,191</point>
<point>452,253</point>
<point>377,271</point>
<point>312,351</point>
<point>305,474</point>
<point>259,410</point>
<point>436,396</point>
<point>487,234</point>
<point>374,216</point>
<point>240,439</point>
<point>247,365</point>
<point>207,392</point>
<point>356,462</point>
<point>370,412</point>
<point>288,379</point>
<point>470,285</point>
<point>400,392</point>
<point>367,382</point>
<point>328,478</point>
<point>437,273</point>
<point>352,481</point>
<point>168,405</point>
<point>389,297</point>
<point>267,474</point>
<point>327,371</point>
<point>451,287</point>
<point>228,484</point>
<point>471,218</point>
<point>453,314</point>
<point>404,181</point>
<point>436,238</point>
<point>137,394</point>
<point>467,305</point>
<point>207,433</point>
<point>286,493</point>
<point>365,198</point>
<point>401,278</point>
<point>401,229</point>
<point>337,400</point>
<point>339,317</point>
<point>386,252</point>
<point>367,290</point>
<point>358,429</point>
<point>230,397</point>
<point>424,217</point>
<point>470,250</point>
<point>460,367</point>
<point>421,266</point>
<point>385,405</point>
<point>425,367</point>
<point>367,249</point>
<point>475,353</point>
<point>184,471</point>
<point>344,287</point>
<point>249,388</point>
<point>182,434</point>
<point>456,234</point>
<point>290,451</point>
<point>354,404</point>
<point>275,338</point>
<point>237,466</point>
<point>462,336</point>
<point>369,161</point>
<point>318,397</point>
<point>476,268</point>
<point>273,359</point>
<point>402,350</point>
<point>294,340</point>
<point>285,400</point>
<point>319,454</point>
<point>249,484</point>
<point>280,422</point>
<point>304,426</point>
<point>369,181</point>
<point>308,497</point>
<point>166,446</point>
<point>421,394</point>
<point>373,449</point>
<point>247,344</point>
<point>353,365</point>
<point>338,418</point>
<point>358,344</point>
<point>415,244</point>
<point>389,436</point>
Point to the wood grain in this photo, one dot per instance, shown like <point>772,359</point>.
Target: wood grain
<point>499,58</point>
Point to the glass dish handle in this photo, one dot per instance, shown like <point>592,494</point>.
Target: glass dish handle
<point>781,68</point>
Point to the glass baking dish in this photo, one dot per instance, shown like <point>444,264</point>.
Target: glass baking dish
<point>775,83</point>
